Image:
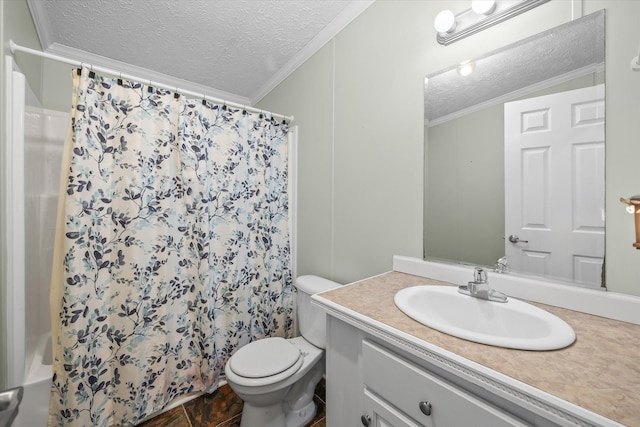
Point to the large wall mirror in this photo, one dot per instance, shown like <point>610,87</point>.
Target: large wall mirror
<point>514,156</point>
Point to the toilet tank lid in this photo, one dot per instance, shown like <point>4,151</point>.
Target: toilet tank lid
<point>313,284</point>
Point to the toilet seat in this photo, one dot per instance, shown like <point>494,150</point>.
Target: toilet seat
<point>266,358</point>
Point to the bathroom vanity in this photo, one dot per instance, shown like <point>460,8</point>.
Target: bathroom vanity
<point>385,369</point>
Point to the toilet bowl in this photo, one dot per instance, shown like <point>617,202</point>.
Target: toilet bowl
<point>276,378</point>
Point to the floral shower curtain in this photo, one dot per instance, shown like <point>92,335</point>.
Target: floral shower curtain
<point>172,248</point>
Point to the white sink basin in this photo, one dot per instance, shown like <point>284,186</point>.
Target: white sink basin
<point>513,324</point>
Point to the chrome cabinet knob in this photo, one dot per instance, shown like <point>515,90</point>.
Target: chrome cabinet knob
<point>515,239</point>
<point>366,420</point>
<point>425,408</point>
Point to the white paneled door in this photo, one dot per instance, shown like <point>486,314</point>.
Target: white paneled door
<point>554,185</point>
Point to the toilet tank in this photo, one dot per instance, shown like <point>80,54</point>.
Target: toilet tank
<point>312,320</point>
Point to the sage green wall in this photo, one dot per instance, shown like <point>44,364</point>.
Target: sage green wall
<point>623,149</point>
<point>373,127</point>
<point>56,87</point>
<point>464,188</point>
<point>313,85</point>
<point>369,140</point>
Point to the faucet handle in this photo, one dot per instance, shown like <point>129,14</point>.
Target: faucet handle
<point>479,275</point>
<point>502,265</point>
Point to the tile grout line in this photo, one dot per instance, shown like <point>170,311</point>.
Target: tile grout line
<point>319,421</point>
<point>225,422</point>
<point>184,410</point>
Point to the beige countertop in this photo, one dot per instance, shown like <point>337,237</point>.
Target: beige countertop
<point>600,371</point>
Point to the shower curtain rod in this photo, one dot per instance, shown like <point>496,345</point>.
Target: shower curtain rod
<point>17,48</point>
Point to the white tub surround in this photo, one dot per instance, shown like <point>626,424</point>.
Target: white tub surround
<point>14,217</point>
<point>594,382</point>
<point>37,387</point>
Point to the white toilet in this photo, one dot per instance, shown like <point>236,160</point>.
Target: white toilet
<point>277,378</point>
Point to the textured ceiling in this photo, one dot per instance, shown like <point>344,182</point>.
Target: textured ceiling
<point>238,47</point>
<point>564,52</point>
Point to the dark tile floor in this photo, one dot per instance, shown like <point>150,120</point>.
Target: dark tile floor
<point>223,408</point>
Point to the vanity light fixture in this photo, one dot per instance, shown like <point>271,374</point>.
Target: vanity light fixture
<point>445,22</point>
<point>482,14</point>
<point>483,7</point>
<point>633,207</point>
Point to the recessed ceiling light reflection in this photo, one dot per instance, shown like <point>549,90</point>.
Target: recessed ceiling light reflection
<point>466,68</point>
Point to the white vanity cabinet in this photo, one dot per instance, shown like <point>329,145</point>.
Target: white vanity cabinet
<point>400,393</point>
<point>376,379</point>
<point>372,382</point>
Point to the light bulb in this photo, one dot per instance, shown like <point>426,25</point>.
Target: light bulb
<point>631,209</point>
<point>445,22</point>
<point>483,7</point>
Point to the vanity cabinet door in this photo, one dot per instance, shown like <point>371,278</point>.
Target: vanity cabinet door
<point>378,413</point>
<point>422,397</point>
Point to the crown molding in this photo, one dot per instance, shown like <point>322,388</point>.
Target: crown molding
<point>350,13</point>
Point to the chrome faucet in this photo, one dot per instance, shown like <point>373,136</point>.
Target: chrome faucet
<point>479,288</point>
<point>502,266</point>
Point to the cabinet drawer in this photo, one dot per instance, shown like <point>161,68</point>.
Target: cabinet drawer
<point>405,385</point>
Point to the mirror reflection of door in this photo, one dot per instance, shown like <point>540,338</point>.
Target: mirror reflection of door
<point>554,185</point>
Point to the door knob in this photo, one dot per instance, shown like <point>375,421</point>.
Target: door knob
<point>515,239</point>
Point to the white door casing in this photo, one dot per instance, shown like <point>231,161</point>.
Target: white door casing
<point>554,185</point>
